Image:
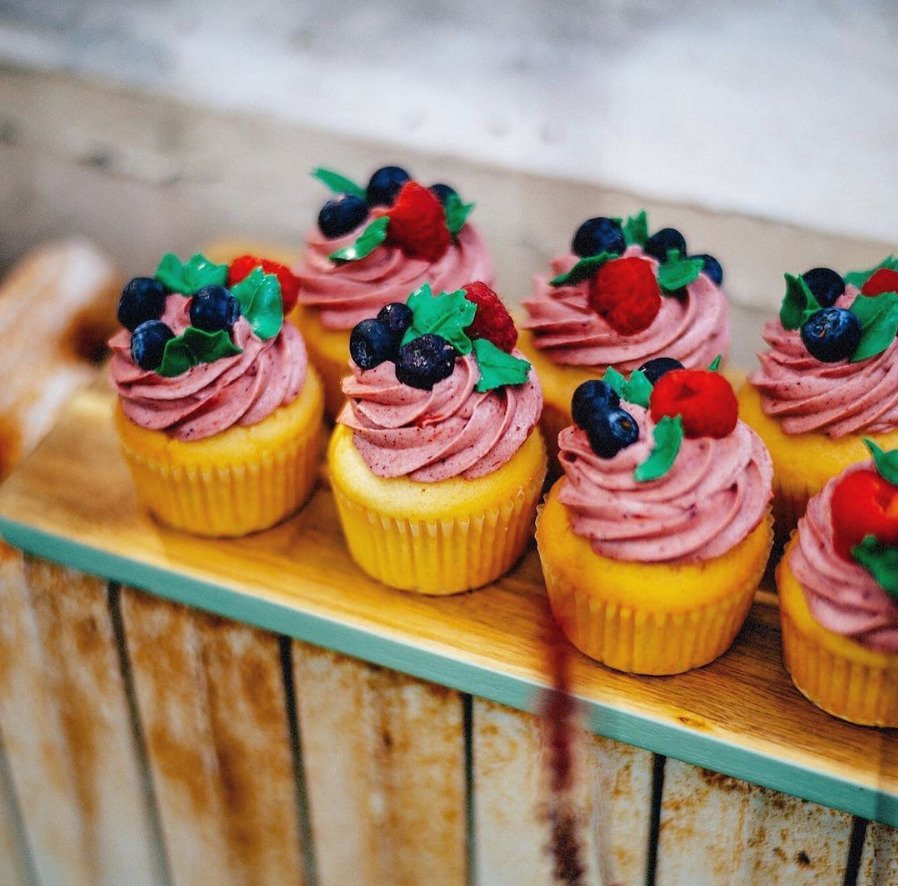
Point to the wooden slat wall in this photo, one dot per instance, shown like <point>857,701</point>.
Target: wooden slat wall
<point>13,863</point>
<point>879,862</point>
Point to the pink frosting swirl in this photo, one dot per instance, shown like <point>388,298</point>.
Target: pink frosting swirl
<point>715,494</point>
<point>346,293</point>
<point>450,431</point>
<point>693,330</point>
<point>208,399</point>
<point>836,399</point>
<point>842,596</point>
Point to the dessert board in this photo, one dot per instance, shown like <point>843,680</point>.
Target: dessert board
<point>73,502</point>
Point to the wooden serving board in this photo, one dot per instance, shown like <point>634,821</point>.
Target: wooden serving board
<point>72,501</point>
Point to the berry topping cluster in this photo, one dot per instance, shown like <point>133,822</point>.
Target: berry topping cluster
<point>682,402</point>
<point>421,221</point>
<point>218,296</point>
<point>425,336</point>
<point>831,333</point>
<point>626,291</point>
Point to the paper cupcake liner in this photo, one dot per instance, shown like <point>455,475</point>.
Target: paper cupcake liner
<point>329,354</point>
<point>438,557</point>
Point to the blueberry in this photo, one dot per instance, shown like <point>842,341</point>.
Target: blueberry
<point>213,308</point>
<point>654,369</point>
<point>424,361</point>
<point>664,240</point>
<point>148,343</point>
<point>385,184</point>
<point>592,397</point>
<point>396,316</point>
<point>711,267</point>
<point>611,432</point>
<point>340,216</point>
<point>442,192</point>
<point>831,334</point>
<point>597,235</point>
<point>371,343</point>
<point>142,299</point>
<point>826,285</point>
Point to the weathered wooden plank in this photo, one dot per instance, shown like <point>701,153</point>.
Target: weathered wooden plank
<point>383,757</point>
<point>13,864</point>
<point>715,829</point>
<point>879,861</point>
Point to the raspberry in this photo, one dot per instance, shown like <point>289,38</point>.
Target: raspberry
<point>241,267</point>
<point>626,293</point>
<point>492,321</point>
<point>418,223</point>
<point>884,280</point>
<point>863,503</point>
<point>704,399</point>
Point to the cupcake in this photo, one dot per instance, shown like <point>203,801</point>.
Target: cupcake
<point>838,592</point>
<point>436,464</point>
<point>621,298</point>
<point>655,538</point>
<point>219,413</point>
<point>828,379</point>
<point>373,246</point>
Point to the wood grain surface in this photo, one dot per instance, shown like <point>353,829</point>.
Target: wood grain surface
<point>740,715</point>
<point>879,862</point>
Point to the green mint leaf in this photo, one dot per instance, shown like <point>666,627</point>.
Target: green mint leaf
<point>447,314</point>
<point>259,297</point>
<point>193,347</point>
<point>339,184</point>
<point>859,278</point>
<point>881,561</point>
<point>886,462</point>
<point>798,303</point>
<point>636,229</point>
<point>878,316</point>
<point>675,272</point>
<point>497,368</point>
<point>367,242</point>
<point>615,381</point>
<point>714,364</point>
<point>635,389</point>
<point>667,435</point>
<point>584,268</point>
<point>190,276</point>
<point>457,213</point>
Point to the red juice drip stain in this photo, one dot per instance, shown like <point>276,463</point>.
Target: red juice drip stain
<point>558,709</point>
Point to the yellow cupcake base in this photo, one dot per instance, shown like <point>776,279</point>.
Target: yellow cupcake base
<point>647,618</point>
<point>329,353</point>
<point>802,463</point>
<point>836,673</point>
<point>436,538</point>
<point>239,481</point>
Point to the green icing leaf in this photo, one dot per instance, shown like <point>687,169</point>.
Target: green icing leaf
<point>676,272</point>
<point>886,462</point>
<point>878,316</point>
<point>715,364</point>
<point>668,435</point>
<point>259,297</point>
<point>881,561</point>
<point>190,276</point>
<point>367,242</point>
<point>584,268</point>
<point>636,229</point>
<point>447,314</point>
<point>193,347</point>
<point>498,368</point>
<point>859,278</point>
<point>339,184</point>
<point>798,303</point>
<point>457,213</point>
<point>635,389</point>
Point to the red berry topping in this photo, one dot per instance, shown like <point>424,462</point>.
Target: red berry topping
<point>863,503</point>
<point>243,265</point>
<point>418,223</point>
<point>626,293</point>
<point>884,280</point>
<point>703,398</point>
<point>492,321</point>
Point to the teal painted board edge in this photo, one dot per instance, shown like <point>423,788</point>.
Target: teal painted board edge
<point>638,730</point>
